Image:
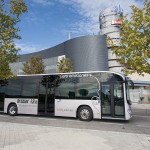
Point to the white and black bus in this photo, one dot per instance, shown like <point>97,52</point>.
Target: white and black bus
<point>85,95</point>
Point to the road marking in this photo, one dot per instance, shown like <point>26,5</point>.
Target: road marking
<point>22,117</point>
<point>143,126</point>
<point>46,119</point>
<point>73,121</point>
<point>3,116</point>
<point>93,121</point>
<point>15,116</point>
<point>141,115</point>
<point>119,124</point>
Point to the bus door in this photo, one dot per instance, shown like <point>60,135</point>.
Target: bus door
<point>46,99</point>
<point>112,100</point>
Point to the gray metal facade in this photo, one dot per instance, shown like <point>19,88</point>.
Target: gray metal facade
<point>87,53</point>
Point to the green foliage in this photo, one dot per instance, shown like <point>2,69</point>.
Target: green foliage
<point>34,65</point>
<point>64,65</point>
<point>134,49</point>
<point>10,12</point>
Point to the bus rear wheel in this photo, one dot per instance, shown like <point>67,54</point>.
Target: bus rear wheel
<point>12,110</point>
<point>85,113</point>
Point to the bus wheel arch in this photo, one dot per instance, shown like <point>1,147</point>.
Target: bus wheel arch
<point>12,109</point>
<point>85,113</point>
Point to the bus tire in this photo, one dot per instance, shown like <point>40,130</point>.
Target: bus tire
<point>12,110</point>
<point>85,113</point>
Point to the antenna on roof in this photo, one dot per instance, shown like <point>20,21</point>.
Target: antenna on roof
<point>69,35</point>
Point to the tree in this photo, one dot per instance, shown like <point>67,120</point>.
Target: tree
<point>34,65</point>
<point>10,12</point>
<point>64,65</point>
<point>134,49</point>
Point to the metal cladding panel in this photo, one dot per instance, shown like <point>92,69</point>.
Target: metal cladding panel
<point>88,53</point>
<point>48,53</point>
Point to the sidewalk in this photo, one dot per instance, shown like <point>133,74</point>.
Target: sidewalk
<point>141,109</point>
<point>140,106</point>
<point>15,136</point>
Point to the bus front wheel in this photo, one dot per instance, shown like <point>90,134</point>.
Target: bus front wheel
<point>12,110</point>
<point>85,113</point>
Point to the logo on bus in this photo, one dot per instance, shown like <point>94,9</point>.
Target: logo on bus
<point>27,101</point>
<point>67,110</point>
<point>76,75</point>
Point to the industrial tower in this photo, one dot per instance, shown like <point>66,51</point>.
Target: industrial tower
<point>110,26</point>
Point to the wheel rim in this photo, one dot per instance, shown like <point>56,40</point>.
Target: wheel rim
<point>84,114</point>
<point>12,110</point>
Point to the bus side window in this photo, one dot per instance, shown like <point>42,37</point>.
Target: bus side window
<point>29,89</point>
<point>66,89</point>
<point>13,89</point>
<point>86,88</point>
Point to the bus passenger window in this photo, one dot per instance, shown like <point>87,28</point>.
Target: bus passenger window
<point>13,89</point>
<point>66,90</point>
<point>29,90</point>
<point>87,88</point>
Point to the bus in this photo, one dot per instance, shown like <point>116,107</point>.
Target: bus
<point>83,95</point>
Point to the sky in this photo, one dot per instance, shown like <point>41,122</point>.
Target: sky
<point>48,22</point>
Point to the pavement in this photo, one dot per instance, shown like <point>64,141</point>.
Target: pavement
<point>141,109</point>
<point>17,136</point>
<point>140,106</point>
<point>34,137</point>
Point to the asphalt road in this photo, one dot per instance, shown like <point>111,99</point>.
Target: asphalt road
<point>138,124</point>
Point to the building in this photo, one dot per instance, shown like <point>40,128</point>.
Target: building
<point>87,53</point>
